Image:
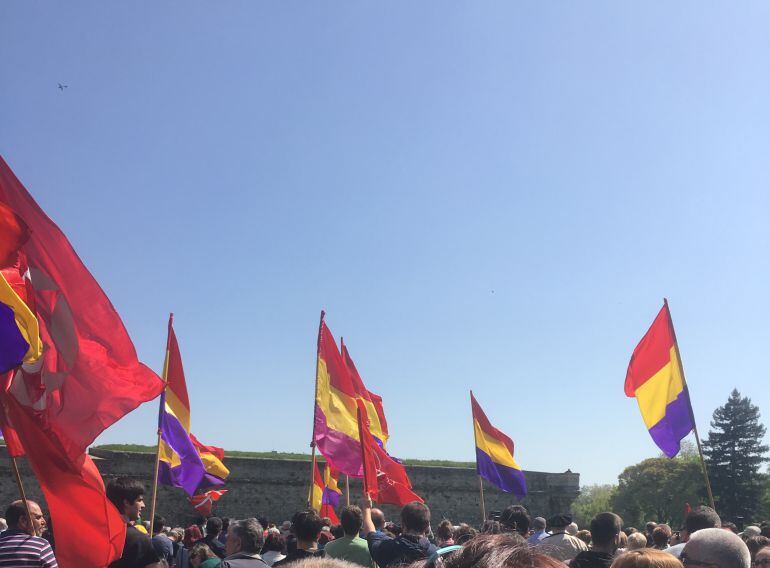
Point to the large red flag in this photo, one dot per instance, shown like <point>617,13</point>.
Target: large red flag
<point>90,375</point>
<point>385,480</point>
<point>88,378</point>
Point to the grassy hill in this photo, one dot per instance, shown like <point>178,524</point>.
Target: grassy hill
<point>279,455</point>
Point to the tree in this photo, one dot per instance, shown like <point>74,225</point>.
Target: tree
<point>593,499</point>
<point>734,453</point>
<point>658,488</point>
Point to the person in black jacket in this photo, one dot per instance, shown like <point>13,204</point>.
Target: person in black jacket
<point>605,539</point>
<point>409,546</point>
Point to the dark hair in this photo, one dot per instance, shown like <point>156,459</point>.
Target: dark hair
<point>123,489</point>
<point>660,536</point>
<point>757,543</point>
<point>338,531</point>
<point>351,519</point>
<point>158,523</point>
<point>213,526</point>
<point>650,526</point>
<point>249,531</point>
<point>491,527</point>
<point>327,521</point>
<point>584,535</point>
<point>702,518</point>
<point>378,519</point>
<point>306,525</point>
<point>202,552</point>
<point>516,518</point>
<point>499,551</point>
<point>765,530</point>
<point>732,527</point>
<point>15,512</point>
<point>464,533</point>
<point>274,541</point>
<point>444,529</point>
<point>415,517</point>
<point>605,527</point>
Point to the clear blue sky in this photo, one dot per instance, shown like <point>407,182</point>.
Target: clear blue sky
<point>493,195</point>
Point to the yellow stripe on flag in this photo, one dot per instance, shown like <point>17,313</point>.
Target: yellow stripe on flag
<point>659,391</point>
<point>493,448</point>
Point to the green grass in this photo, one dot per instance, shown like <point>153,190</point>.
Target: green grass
<point>278,455</point>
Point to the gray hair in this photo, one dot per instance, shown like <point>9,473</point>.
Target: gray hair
<point>719,547</point>
<point>250,533</point>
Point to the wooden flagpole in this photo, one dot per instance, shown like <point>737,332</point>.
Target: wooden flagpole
<point>347,490</point>
<point>315,398</point>
<point>692,414</point>
<point>365,483</point>
<point>23,494</point>
<point>481,481</point>
<point>160,415</point>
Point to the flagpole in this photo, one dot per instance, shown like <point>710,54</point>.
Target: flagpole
<point>692,414</point>
<point>347,490</point>
<point>315,399</point>
<point>481,481</point>
<point>17,475</point>
<point>160,416</point>
<point>363,456</point>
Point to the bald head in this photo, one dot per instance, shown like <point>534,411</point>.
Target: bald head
<point>378,518</point>
<point>718,548</point>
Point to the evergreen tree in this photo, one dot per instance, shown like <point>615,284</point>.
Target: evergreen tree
<point>734,453</point>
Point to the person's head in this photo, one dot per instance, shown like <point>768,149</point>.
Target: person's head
<point>584,535</point>
<point>539,524</point>
<point>17,519</point>
<point>199,554</point>
<point>378,519</point>
<point>323,562</point>
<point>176,534</point>
<point>274,541</point>
<point>756,543</point>
<point>127,495</point>
<point>463,532</point>
<point>762,557</point>
<point>338,531</point>
<point>699,518</point>
<point>559,523</point>
<point>605,531</point>
<point>192,534</point>
<point>571,529</point>
<point>516,518</point>
<point>649,527</point>
<point>715,548</point>
<point>158,524</point>
<point>213,527</point>
<point>444,530</point>
<point>764,530</point>
<point>415,518</point>
<point>636,540</point>
<point>660,536</point>
<point>306,526</point>
<point>245,535</point>
<point>646,558</point>
<point>506,550</point>
<point>351,519</point>
<point>491,527</point>
<point>623,540</point>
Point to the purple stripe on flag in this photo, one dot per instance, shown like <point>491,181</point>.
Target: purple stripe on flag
<point>675,425</point>
<point>340,449</point>
<point>13,346</point>
<point>506,478</point>
<point>190,473</point>
<point>330,497</point>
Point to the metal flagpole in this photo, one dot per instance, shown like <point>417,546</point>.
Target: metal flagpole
<point>692,415</point>
<point>160,416</point>
<point>312,441</point>
<point>481,481</point>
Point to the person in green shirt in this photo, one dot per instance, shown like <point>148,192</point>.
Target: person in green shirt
<point>350,547</point>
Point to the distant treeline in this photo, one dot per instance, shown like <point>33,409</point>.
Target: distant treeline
<point>278,455</point>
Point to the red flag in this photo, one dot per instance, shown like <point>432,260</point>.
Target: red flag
<point>90,375</point>
<point>204,502</point>
<point>13,233</point>
<point>88,378</point>
<point>89,530</point>
<point>385,480</point>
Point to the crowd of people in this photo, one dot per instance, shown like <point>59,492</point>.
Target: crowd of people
<point>364,537</point>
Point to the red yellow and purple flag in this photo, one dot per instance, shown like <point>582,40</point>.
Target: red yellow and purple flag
<point>494,455</point>
<point>184,462</point>
<point>655,379</point>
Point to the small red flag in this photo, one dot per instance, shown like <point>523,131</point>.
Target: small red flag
<point>204,502</point>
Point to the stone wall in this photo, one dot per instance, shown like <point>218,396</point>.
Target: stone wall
<point>277,488</point>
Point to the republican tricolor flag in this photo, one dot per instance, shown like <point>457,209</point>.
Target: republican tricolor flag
<point>494,455</point>
<point>655,379</point>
